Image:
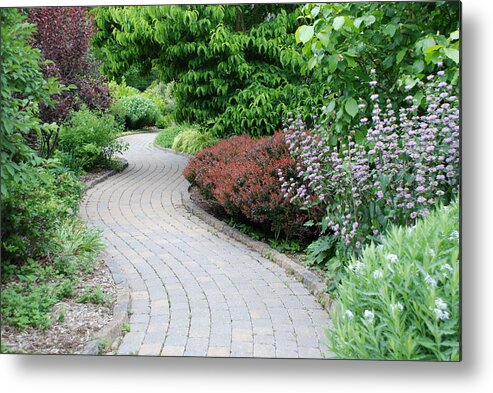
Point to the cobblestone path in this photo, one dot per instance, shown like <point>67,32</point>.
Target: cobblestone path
<point>194,292</point>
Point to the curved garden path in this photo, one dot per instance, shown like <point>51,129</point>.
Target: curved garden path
<point>194,292</point>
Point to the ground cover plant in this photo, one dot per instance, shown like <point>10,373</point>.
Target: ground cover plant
<point>45,248</point>
<point>166,137</point>
<point>415,315</point>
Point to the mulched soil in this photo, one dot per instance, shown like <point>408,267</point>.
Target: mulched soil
<point>80,323</point>
<point>89,176</point>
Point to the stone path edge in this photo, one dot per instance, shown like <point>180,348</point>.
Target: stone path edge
<point>113,330</point>
<point>97,180</point>
<point>314,284</point>
<point>310,280</point>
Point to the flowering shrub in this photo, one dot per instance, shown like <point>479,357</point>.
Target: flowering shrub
<point>401,299</point>
<point>408,162</point>
<point>241,175</point>
<point>136,111</point>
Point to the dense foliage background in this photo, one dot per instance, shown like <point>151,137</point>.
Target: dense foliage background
<point>330,128</point>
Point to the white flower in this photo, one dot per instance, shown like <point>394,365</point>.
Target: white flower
<point>441,314</point>
<point>369,316</point>
<point>349,315</point>
<point>357,267</point>
<point>431,252</point>
<point>440,304</point>
<point>430,281</point>
<point>454,235</point>
<point>377,274</point>
<point>392,258</point>
<point>398,306</point>
<point>380,246</point>
<point>446,267</point>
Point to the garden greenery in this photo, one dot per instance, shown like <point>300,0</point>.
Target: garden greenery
<point>88,140</point>
<point>191,140</point>
<point>44,247</point>
<point>225,60</point>
<point>23,89</point>
<point>136,111</point>
<point>400,300</point>
<point>405,165</point>
<point>402,41</point>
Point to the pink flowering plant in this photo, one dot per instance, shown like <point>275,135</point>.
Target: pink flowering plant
<point>392,169</point>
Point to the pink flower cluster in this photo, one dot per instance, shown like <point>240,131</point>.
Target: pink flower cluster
<point>408,162</point>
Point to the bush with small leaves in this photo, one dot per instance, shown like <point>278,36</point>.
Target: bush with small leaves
<point>241,175</point>
<point>136,111</point>
<point>33,210</point>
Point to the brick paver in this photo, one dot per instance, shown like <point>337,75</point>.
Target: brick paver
<point>195,292</point>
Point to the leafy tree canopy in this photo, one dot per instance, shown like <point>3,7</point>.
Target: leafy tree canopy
<point>226,60</point>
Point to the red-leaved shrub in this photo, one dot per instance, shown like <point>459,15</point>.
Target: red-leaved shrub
<point>241,174</point>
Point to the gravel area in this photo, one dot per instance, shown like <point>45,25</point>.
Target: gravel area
<point>70,333</point>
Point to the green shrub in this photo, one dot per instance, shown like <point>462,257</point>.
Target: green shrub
<point>34,288</point>
<point>166,137</point>
<point>136,111</point>
<point>191,140</point>
<point>165,121</point>
<point>87,140</point>
<point>401,300</point>
<point>118,91</point>
<point>33,209</point>
<point>161,94</point>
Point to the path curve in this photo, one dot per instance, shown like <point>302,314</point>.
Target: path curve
<point>194,292</point>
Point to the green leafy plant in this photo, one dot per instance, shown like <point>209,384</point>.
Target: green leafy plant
<point>162,95</point>
<point>286,245</point>
<point>165,121</point>
<point>402,41</point>
<point>121,90</point>
<point>236,67</point>
<point>34,209</point>
<point>191,140</point>
<point>94,295</point>
<point>23,89</point>
<point>400,300</point>
<point>87,140</point>
<point>136,111</point>
<point>103,346</point>
<point>166,137</point>
<point>125,328</point>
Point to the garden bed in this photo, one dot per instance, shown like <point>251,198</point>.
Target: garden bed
<point>74,324</point>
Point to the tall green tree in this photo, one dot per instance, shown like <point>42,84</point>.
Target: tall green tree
<point>226,60</point>
<point>396,44</point>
